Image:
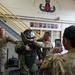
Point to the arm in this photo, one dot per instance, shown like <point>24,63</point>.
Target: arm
<point>19,48</point>
<point>61,66</point>
<point>54,66</point>
<point>9,39</point>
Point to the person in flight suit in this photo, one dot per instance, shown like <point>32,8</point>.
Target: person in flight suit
<point>3,41</point>
<point>27,51</point>
<point>62,64</point>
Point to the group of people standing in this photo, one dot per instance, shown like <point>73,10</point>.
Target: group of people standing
<point>62,64</point>
<point>28,49</point>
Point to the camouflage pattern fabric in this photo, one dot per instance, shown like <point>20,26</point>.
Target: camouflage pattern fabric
<point>3,41</point>
<point>59,64</point>
<point>46,46</point>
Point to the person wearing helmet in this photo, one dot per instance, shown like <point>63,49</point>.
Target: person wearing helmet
<point>46,43</point>
<point>28,51</point>
<point>3,41</point>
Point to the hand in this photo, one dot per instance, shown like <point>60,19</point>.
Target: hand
<point>54,49</point>
<point>30,39</point>
<point>60,50</point>
<point>40,61</point>
<point>35,39</point>
<point>27,47</point>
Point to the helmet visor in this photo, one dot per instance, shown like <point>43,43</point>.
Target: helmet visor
<point>30,34</point>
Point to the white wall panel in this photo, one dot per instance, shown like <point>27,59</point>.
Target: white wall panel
<point>65,9</point>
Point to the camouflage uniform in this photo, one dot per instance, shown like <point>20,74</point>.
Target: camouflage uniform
<point>3,41</point>
<point>46,46</point>
<point>59,64</point>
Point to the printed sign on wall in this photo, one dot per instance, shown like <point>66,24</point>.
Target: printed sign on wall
<point>47,7</point>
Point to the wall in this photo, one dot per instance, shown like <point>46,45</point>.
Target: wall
<point>11,47</point>
<point>30,12</point>
<point>65,9</point>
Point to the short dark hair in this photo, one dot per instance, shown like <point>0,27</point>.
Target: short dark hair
<point>69,33</point>
<point>48,33</point>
